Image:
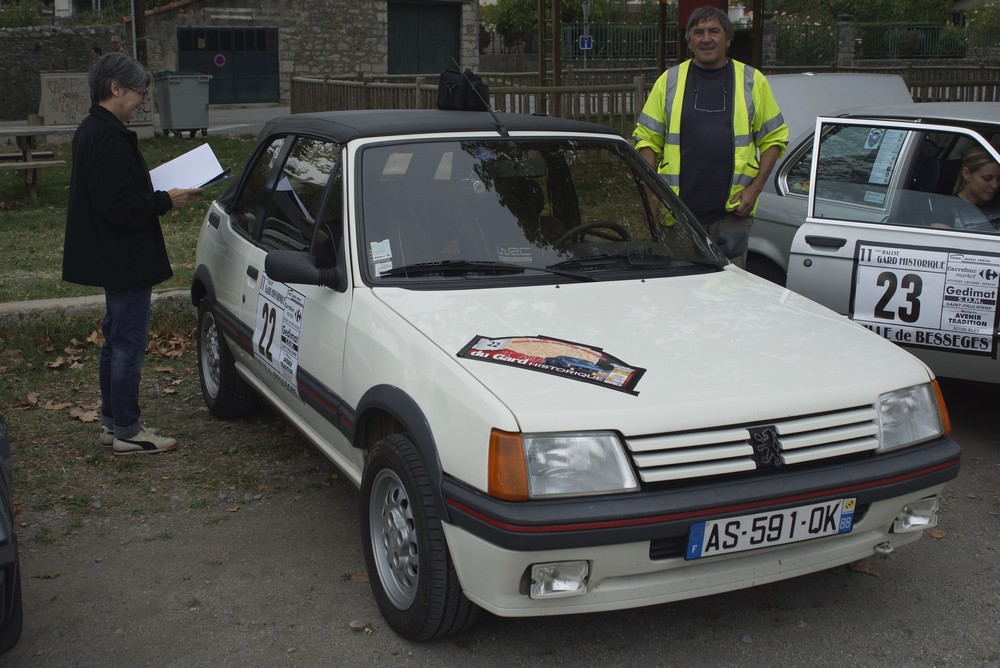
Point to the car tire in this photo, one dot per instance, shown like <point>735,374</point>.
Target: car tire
<point>761,266</point>
<point>409,567</point>
<point>225,393</point>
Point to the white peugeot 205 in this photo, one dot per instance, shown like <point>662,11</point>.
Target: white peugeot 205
<point>554,393</point>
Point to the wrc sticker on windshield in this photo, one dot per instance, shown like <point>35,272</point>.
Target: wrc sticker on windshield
<point>581,362</point>
<point>277,330</point>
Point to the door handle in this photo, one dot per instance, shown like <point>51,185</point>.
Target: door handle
<point>253,272</point>
<point>825,242</point>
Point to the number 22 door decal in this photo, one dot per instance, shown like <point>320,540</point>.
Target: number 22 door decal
<point>927,297</point>
<point>277,330</point>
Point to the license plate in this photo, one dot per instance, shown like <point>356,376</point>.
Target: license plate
<point>751,532</point>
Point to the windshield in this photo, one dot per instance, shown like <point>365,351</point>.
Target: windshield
<point>509,209</point>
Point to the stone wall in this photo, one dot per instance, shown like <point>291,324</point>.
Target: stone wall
<point>314,37</point>
<point>27,52</point>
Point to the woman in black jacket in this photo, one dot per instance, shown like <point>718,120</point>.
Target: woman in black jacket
<point>113,240</point>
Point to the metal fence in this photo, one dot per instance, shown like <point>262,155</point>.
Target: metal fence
<point>794,44</point>
<point>582,41</point>
<point>876,41</point>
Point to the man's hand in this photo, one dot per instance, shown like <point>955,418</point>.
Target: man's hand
<point>179,196</point>
<point>746,198</point>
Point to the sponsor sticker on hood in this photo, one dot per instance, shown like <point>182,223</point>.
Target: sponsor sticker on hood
<point>589,364</point>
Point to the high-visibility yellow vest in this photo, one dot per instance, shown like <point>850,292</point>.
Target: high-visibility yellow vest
<point>757,125</point>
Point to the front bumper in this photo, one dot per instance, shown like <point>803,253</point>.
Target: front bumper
<point>634,544</point>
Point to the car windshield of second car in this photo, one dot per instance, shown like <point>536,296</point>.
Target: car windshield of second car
<point>521,210</point>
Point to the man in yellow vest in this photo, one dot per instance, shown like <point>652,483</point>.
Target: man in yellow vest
<point>712,129</point>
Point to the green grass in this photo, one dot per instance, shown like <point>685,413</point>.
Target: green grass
<point>31,233</point>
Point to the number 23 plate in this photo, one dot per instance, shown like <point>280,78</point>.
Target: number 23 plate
<point>750,532</point>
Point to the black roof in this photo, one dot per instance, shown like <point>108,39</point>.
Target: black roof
<point>342,126</point>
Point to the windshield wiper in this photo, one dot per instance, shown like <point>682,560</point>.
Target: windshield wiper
<point>463,267</point>
<point>633,259</point>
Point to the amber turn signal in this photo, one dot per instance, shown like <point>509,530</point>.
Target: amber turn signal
<point>508,472</point>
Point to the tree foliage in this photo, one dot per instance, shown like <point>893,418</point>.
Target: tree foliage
<point>522,15</point>
<point>864,11</point>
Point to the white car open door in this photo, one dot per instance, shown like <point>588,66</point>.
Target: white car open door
<point>888,244</point>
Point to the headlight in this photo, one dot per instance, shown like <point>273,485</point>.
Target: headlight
<point>911,415</point>
<point>547,465</point>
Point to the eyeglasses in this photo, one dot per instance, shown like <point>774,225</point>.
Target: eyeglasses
<point>144,94</point>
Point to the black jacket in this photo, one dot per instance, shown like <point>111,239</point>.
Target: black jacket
<point>113,235</point>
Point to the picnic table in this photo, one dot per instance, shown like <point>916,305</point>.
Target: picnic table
<point>26,136</point>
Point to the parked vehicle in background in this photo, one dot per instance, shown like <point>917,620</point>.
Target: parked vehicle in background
<point>11,614</point>
<point>874,231</point>
<point>554,393</point>
<point>803,98</point>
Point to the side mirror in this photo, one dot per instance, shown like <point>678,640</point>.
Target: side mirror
<point>732,242</point>
<point>288,266</point>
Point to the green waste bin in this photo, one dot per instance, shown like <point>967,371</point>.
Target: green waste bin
<point>182,100</point>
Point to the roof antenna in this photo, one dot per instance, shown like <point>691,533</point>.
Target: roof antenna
<point>486,103</point>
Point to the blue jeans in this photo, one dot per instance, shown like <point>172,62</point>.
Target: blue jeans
<point>126,332</point>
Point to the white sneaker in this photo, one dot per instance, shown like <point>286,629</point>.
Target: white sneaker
<point>143,443</point>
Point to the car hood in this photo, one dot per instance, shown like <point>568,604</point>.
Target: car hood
<point>718,348</point>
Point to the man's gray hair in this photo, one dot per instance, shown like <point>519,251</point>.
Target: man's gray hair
<point>706,13</point>
<point>116,67</point>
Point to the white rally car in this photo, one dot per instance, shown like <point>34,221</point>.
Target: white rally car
<point>555,394</point>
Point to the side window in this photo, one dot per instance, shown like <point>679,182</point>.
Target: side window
<point>298,194</point>
<point>254,197</point>
<point>896,176</point>
<point>856,171</point>
<point>330,231</point>
<point>797,175</point>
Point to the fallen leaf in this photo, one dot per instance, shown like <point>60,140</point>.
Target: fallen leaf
<point>75,365</point>
<point>165,369</point>
<point>94,338</point>
<point>33,398</point>
<point>234,509</point>
<point>49,406</point>
<point>935,533</point>
<point>360,577</point>
<point>865,566</point>
<point>170,390</point>
<point>83,415</point>
<point>56,363</point>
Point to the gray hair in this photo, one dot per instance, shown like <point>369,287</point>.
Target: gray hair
<point>116,67</point>
<point>706,13</point>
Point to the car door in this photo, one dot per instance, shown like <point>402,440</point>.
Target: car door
<point>299,330</point>
<point>886,242</point>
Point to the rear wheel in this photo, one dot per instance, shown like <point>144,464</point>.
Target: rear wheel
<point>225,393</point>
<point>409,568</point>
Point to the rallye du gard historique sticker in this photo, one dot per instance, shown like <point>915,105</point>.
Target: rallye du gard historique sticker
<point>588,364</point>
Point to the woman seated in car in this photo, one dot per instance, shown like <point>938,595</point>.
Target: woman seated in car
<point>979,177</point>
<point>977,183</point>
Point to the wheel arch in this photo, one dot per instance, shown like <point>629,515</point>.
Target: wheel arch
<point>202,285</point>
<point>387,409</point>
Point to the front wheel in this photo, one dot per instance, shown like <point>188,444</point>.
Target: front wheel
<point>409,568</point>
<point>225,393</point>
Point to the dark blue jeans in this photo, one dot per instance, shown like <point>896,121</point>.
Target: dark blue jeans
<point>126,332</point>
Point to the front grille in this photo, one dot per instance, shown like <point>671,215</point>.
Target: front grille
<point>729,450</point>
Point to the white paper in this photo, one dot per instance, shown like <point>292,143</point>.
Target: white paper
<point>191,170</point>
